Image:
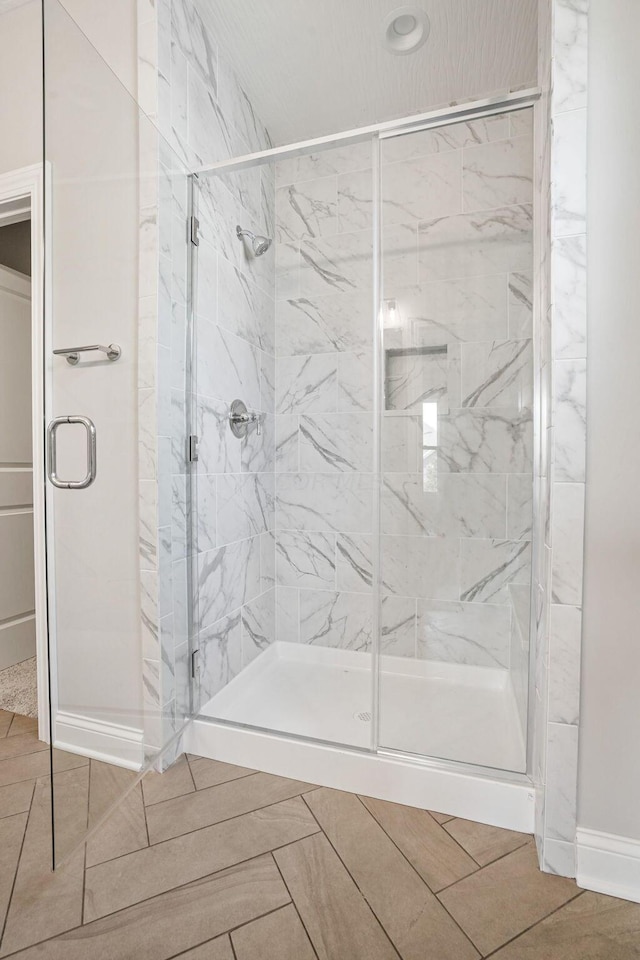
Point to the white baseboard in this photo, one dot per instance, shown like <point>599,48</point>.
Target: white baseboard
<point>609,864</point>
<point>99,740</point>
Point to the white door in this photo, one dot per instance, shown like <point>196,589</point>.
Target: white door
<point>17,617</point>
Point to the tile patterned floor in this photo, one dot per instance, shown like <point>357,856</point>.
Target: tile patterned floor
<point>215,862</point>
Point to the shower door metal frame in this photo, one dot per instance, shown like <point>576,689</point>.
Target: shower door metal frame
<point>471,110</point>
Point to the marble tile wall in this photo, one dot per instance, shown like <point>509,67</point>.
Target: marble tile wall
<point>562,291</point>
<point>456,207</point>
<point>324,425</point>
<point>203,116</point>
<point>457,515</point>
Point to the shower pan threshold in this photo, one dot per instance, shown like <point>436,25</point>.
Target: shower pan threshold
<point>279,713</point>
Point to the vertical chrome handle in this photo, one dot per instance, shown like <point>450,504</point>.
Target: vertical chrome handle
<point>52,465</point>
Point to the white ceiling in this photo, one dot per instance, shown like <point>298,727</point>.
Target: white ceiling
<point>315,67</point>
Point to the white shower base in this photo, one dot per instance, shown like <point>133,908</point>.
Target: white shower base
<point>436,710</point>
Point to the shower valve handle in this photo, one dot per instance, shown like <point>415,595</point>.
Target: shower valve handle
<point>240,419</point>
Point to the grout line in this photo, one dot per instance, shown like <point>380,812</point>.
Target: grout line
<point>293,902</point>
<point>422,880</point>
<point>355,883</point>
<point>533,925</point>
<point>3,928</point>
<point>206,876</point>
<point>482,867</point>
<point>401,851</point>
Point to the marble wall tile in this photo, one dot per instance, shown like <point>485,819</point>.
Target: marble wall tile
<point>519,507</point>
<point>336,441</point>
<point>258,449</point>
<point>559,858</point>
<point>181,601</point>
<point>245,506</point>
<point>287,279</point>
<point>218,451</point>
<point>562,774</point>
<point>464,633</point>
<point>236,105</point>
<point>228,366</point>
<point>464,505</point>
<point>206,512</point>
<point>267,382</point>
<point>210,135</point>
<point>355,381</point>
<point>325,502</point>
<point>520,305</point>
<point>179,517</point>
<point>420,567</point>
<point>306,384</point>
<point>287,617</point>
<point>220,647</point>
<point>570,55</point>
<point>243,307</point>
<point>497,174</point>
<point>497,374</point>
<point>486,440</point>
<point>258,626</point>
<point>337,160</point>
<point>569,197</point>
<point>570,420</point>
<point>411,379</point>
<point>341,620</point>
<point>422,188</point>
<point>487,567</point>
<point>332,264</point>
<point>521,123</point>
<point>355,201</point>
<point>443,312</point>
<point>190,35</point>
<point>307,210</point>
<point>570,297</point>
<point>267,560</point>
<point>324,324</point>
<point>401,444</point>
<point>149,614</point>
<point>567,532</point>
<point>398,626</point>
<point>565,637</point>
<point>354,562</point>
<point>206,289</point>
<point>452,137</point>
<point>473,244</point>
<point>287,436</point>
<point>306,559</point>
<point>227,578</point>
<point>399,256</point>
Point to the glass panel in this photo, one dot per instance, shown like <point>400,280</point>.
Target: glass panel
<point>116,212</point>
<point>457,441</point>
<point>286,512</point>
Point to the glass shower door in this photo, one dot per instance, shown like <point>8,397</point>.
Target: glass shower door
<point>285,526</point>
<point>457,440</point>
<point>116,214</point>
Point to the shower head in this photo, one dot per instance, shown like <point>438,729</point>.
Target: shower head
<point>259,245</point>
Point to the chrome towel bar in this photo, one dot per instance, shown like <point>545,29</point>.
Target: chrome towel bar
<point>72,354</point>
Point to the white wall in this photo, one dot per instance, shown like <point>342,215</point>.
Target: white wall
<point>93,148</point>
<point>20,87</point>
<point>609,773</point>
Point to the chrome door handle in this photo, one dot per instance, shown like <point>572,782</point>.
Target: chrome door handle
<point>52,465</point>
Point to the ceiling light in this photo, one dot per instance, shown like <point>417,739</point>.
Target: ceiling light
<point>405,30</point>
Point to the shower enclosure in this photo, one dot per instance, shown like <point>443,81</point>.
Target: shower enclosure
<point>308,546</point>
<point>361,553</point>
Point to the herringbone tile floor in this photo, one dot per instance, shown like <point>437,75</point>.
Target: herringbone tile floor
<point>214,862</point>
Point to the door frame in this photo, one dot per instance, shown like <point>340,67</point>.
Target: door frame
<point>22,194</point>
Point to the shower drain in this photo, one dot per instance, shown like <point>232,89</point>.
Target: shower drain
<point>362,715</point>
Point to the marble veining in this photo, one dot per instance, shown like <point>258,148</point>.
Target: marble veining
<point>497,374</point>
<point>305,559</point>
<point>486,440</point>
<point>464,632</point>
<point>342,442</point>
<point>336,619</point>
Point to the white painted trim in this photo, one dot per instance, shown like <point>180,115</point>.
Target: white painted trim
<point>28,183</point>
<point>500,803</point>
<point>99,739</point>
<point>608,864</point>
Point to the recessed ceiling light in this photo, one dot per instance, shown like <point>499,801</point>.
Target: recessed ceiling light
<point>405,30</point>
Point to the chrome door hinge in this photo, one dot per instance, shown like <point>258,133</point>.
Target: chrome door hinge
<point>195,663</point>
<point>194,226</point>
<point>193,448</point>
